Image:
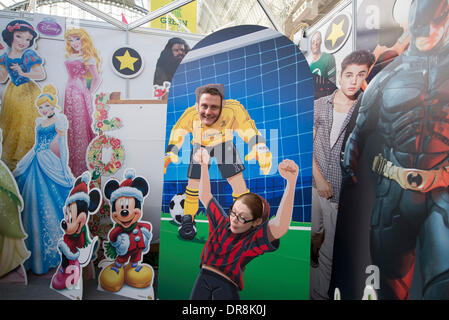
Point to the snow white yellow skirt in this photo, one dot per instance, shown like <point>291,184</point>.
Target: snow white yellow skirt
<point>17,120</point>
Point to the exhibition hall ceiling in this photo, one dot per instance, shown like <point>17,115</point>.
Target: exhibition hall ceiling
<point>216,14</point>
<point>22,4</point>
<point>288,15</point>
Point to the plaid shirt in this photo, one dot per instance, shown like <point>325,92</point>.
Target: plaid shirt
<point>328,158</point>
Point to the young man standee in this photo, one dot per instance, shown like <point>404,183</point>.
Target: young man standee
<point>332,115</point>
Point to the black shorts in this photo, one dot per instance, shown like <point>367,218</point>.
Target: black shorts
<point>227,156</point>
<point>211,286</point>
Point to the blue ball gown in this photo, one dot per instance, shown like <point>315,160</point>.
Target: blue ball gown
<point>45,181</point>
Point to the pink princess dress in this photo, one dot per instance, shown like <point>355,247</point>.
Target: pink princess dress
<point>78,109</point>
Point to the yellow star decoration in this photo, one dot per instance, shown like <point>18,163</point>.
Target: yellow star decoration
<point>337,32</point>
<point>126,61</point>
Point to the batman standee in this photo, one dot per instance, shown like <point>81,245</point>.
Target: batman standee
<point>407,105</point>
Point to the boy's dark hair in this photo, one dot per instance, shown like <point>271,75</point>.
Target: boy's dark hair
<point>359,57</point>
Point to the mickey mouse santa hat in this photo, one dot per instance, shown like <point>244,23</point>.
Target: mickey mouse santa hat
<point>80,190</point>
<point>126,189</point>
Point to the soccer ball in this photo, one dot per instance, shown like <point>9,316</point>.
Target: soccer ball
<point>177,207</point>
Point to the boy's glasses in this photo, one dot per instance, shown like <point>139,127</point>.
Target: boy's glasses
<point>240,218</point>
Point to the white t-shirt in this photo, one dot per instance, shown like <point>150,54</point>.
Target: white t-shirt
<point>337,123</point>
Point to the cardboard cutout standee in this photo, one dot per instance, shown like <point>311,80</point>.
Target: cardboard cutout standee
<point>123,272</point>
<point>212,122</point>
<point>13,251</point>
<point>167,63</point>
<point>83,68</point>
<point>76,247</point>
<point>261,115</point>
<point>44,180</point>
<point>397,156</point>
<point>332,118</point>
<point>22,65</point>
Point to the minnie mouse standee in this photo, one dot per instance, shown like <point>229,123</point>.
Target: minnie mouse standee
<point>76,247</point>
<point>129,239</point>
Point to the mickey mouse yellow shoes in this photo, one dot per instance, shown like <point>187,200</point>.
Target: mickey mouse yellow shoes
<point>138,275</point>
<point>112,277</point>
<point>135,275</point>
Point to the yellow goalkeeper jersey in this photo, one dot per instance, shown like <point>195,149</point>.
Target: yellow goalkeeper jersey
<point>233,118</point>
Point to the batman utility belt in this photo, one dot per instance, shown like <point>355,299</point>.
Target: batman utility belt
<point>411,179</point>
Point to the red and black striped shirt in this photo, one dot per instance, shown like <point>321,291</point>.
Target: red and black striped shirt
<point>230,252</point>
